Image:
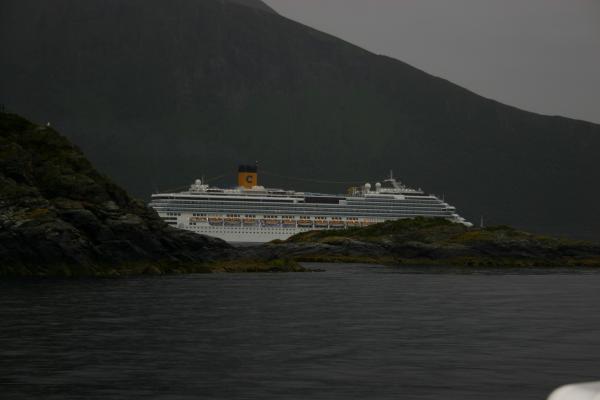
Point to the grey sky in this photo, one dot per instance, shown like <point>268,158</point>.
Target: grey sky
<point>539,55</point>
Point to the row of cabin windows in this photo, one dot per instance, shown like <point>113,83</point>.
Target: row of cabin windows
<point>269,210</point>
<point>402,213</point>
<point>313,205</point>
<point>300,207</point>
<point>285,217</point>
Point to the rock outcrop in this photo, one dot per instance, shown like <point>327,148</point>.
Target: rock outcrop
<point>57,211</point>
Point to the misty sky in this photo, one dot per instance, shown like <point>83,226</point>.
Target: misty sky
<point>540,55</point>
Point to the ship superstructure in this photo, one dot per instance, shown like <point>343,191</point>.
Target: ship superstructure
<point>255,214</point>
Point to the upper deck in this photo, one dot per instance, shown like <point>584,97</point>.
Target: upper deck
<point>389,190</point>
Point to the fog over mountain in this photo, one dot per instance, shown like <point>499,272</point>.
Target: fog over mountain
<point>540,55</point>
<point>160,92</point>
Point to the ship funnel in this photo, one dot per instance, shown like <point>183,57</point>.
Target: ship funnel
<point>247,176</point>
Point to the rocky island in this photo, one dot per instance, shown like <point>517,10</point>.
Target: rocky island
<point>435,242</point>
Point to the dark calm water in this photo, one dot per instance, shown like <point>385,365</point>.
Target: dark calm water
<point>352,332</point>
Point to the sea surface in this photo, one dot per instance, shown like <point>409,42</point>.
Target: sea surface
<point>350,332</point>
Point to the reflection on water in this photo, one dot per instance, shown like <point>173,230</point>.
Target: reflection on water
<point>351,332</point>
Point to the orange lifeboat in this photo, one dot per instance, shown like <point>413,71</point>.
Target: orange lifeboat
<point>215,221</point>
<point>271,222</point>
<point>321,223</point>
<point>233,222</point>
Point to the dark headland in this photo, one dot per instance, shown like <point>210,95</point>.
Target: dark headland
<point>60,217</point>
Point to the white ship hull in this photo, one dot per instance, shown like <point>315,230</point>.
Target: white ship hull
<point>243,234</point>
<point>259,232</point>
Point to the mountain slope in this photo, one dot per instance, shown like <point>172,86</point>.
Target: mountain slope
<point>158,93</point>
<point>57,212</point>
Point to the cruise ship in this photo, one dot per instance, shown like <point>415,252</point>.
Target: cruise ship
<point>251,213</point>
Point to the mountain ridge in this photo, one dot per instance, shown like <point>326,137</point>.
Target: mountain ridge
<point>207,85</point>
